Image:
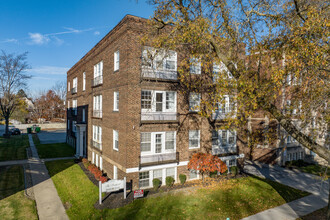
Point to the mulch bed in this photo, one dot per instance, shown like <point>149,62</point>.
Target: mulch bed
<point>115,200</point>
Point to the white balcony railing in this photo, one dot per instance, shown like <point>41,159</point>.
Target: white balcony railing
<point>97,144</point>
<point>220,115</point>
<point>216,150</point>
<point>97,80</point>
<point>158,158</point>
<point>159,74</point>
<point>158,116</point>
<point>97,113</point>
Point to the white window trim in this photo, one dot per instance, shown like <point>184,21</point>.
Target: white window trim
<point>197,176</point>
<point>196,63</point>
<point>97,135</point>
<point>151,176</point>
<point>69,87</point>
<point>198,101</point>
<point>153,144</point>
<point>115,172</point>
<point>115,138</point>
<point>93,157</point>
<point>221,145</point>
<point>116,61</point>
<point>98,69</point>
<point>153,101</point>
<point>75,83</point>
<point>116,101</point>
<point>199,139</point>
<point>101,163</point>
<point>84,81</point>
<point>153,56</point>
<point>75,106</point>
<point>97,160</point>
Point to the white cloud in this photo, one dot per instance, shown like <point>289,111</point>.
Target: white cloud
<point>11,40</point>
<point>39,39</point>
<point>96,33</point>
<point>49,70</point>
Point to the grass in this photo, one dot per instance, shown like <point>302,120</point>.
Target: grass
<point>53,150</point>
<point>235,198</point>
<point>315,169</point>
<point>13,203</point>
<point>14,148</point>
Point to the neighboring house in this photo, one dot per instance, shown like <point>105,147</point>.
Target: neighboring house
<point>127,117</point>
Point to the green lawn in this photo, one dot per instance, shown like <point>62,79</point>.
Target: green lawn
<point>14,148</point>
<point>52,150</point>
<point>235,198</point>
<point>315,169</point>
<point>13,203</point>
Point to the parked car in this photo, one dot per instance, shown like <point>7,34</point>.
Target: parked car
<point>15,131</point>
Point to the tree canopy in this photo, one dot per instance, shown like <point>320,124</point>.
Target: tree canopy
<point>272,54</point>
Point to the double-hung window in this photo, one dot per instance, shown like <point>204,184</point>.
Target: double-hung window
<point>116,60</point>
<point>158,101</point>
<point>158,142</point>
<point>226,106</point>
<point>97,136</point>
<point>74,107</point>
<point>221,68</point>
<point>84,81</point>
<point>74,126</point>
<point>98,74</point>
<point>116,101</point>
<point>144,179</point>
<point>223,138</point>
<point>194,139</point>
<point>75,85</point>
<point>115,140</point>
<point>159,59</point>
<point>68,86</point>
<point>97,106</point>
<point>194,101</point>
<point>195,66</point>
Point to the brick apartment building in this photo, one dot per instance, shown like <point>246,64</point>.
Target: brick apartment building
<point>129,119</point>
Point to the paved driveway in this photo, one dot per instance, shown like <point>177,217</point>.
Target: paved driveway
<point>49,137</point>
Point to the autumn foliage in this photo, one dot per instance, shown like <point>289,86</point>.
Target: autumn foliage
<point>206,163</point>
<point>95,171</point>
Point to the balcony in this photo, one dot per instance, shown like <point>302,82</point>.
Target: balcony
<point>73,90</point>
<point>97,113</point>
<point>222,114</point>
<point>159,116</point>
<point>96,144</point>
<point>148,72</point>
<point>155,159</point>
<point>216,150</point>
<point>97,81</point>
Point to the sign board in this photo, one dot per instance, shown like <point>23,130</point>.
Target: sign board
<point>111,186</point>
<point>138,193</point>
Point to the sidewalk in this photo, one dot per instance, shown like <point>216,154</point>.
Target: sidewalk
<point>31,161</point>
<point>49,204</point>
<point>303,181</point>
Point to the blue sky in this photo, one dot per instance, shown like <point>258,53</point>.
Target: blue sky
<point>57,33</point>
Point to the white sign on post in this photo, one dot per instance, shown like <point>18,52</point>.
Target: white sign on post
<point>112,186</point>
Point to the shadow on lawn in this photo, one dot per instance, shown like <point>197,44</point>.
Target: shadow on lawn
<point>11,180</point>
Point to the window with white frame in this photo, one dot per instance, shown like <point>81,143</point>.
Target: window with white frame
<point>98,73</point>
<point>69,86</point>
<point>223,138</point>
<point>74,106</point>
<point>159,59</point>
<point>75,84</point>
<point>170,172</point>
<point>158,142</point>
<point>115,172</point>
<point>93,157</point>
<point>116,101</point>
<point>218,68</point>
<point>68,104</point>
<point>97,136</point>
<point>116,60</point>
<point>97,160</point>
<point>84,81</point>
<point>194,139</point>
<point>226,106</point>
<point>194,101</point>
<point>144,179</point>
<point>195,66</point>
<point>115,140</point>
<point>193,174</point>
<point>158,101</point>
<point>158,174</point>
<point>101,163</point>
<point>97,106</point>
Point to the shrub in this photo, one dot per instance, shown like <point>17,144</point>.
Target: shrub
<point>298,163</point>
<point>156,183</point>
<point>169,181</point>
<point>103,179</point>
<point>182,178</point>
<point>234,170</point>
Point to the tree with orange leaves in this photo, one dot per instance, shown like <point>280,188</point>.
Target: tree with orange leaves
<point>206,163</point>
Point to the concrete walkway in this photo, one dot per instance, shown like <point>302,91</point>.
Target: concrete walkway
<point>49,204</point>
<point>303,181</point>
<point>31,161</point>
